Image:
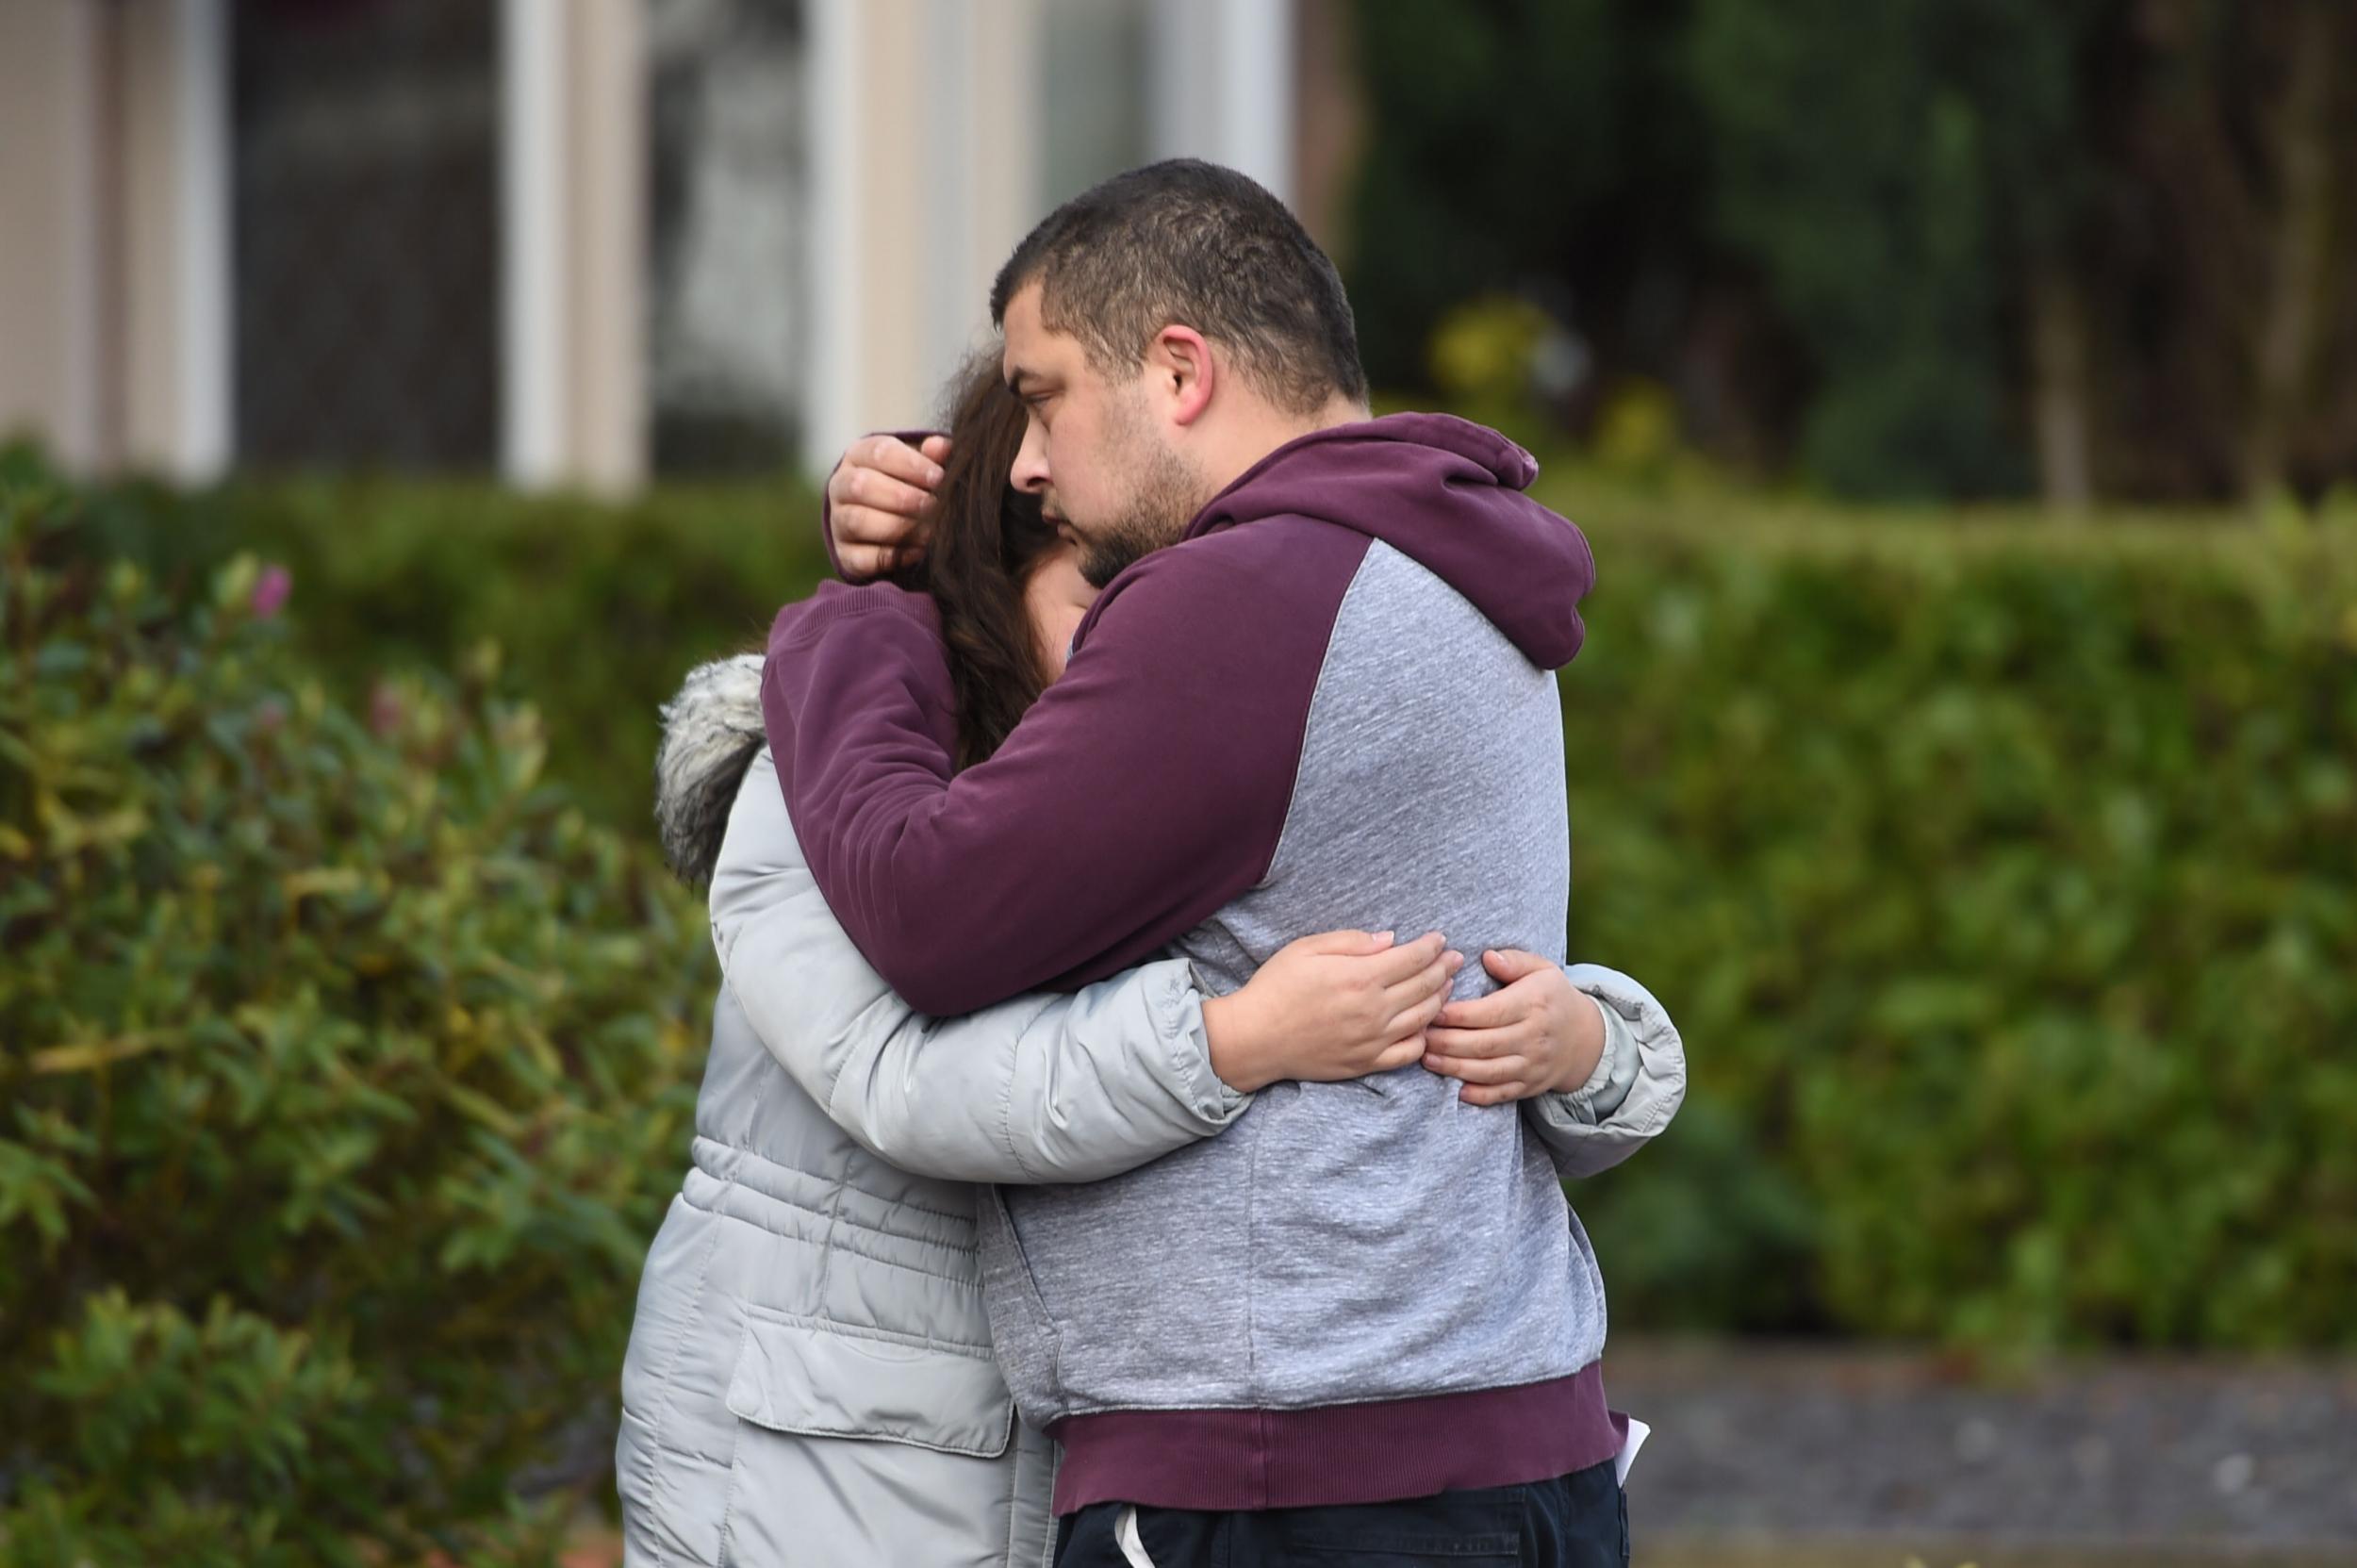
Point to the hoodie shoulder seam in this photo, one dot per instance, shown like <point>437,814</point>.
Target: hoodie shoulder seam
<point>1308,710</point>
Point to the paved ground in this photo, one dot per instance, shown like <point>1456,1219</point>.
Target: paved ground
<point>1871,1457</point>
<point>1768,1457</point>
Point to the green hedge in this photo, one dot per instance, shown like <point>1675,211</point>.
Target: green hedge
<point>2002,873</point>
<point>594,610</point>
<point>2004,880</point>
<point>344,1070</point>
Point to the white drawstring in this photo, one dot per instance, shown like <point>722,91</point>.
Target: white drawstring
<point>1126,1537</point>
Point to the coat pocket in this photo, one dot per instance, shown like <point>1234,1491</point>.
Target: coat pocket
<point>816,1377</point>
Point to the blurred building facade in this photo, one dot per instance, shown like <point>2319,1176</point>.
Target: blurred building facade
<point>570,241</point>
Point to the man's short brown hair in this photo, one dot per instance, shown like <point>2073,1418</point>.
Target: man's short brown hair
<point>1190,243</point>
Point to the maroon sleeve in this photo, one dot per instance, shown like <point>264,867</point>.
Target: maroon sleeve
<point>1145,791</point>
<point>826,507</point>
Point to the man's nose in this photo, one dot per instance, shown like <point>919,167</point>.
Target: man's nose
<point>1029,474</point>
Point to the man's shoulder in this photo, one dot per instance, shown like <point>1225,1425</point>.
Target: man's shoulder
<point>1279,539</point>
<point>806,621</point>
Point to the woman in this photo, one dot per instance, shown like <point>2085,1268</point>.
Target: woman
<point>810,1377</point>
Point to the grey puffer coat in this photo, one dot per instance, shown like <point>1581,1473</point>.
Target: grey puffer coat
<point>809,1378</point>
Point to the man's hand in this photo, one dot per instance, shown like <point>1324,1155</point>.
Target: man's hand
<point>880,503</point>
<point>1538,1034</point>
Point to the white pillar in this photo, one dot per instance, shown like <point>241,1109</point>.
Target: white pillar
<point>835,401</point>
<point>953,303</point>
<point>605,246</point>
<point>924,173</point>
<point>573,234</point>
<point>1221,86</point>
<point>204,441</point>
<point>532,200</point>
<point>171,364</point>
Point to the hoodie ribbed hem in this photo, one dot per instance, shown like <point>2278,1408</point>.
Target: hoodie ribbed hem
<point>1337,1454</point>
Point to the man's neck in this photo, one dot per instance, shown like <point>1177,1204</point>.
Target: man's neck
<point>1265,433</point>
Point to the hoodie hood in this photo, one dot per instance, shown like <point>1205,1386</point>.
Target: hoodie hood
<point>1447,494</point>
<point>711,734</point>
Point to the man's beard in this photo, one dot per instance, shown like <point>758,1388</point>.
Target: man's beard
<point>1161,507</point>
<point>1109,552</point>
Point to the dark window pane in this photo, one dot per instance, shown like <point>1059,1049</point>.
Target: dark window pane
<point>367,214</point>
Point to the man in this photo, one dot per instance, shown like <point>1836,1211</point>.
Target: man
<point>1316,692</point>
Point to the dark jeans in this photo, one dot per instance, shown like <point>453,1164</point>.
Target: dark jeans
<point>1574,1521</point>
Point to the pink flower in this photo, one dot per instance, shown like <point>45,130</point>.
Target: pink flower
<point>385,711</point>
<point>271,590</point>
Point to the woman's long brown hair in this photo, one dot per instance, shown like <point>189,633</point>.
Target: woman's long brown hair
<point>987,539</point>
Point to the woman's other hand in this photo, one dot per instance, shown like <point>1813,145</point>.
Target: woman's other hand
<point>1341,1005</point>
<point>1537,1034</point>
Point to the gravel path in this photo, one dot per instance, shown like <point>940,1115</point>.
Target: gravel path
<point>2098,1460</point>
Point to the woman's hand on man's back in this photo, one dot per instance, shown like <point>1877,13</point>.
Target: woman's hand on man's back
<point>1326,1008</point>
<point>1536,1034</point>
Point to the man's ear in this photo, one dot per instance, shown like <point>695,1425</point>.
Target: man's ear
<point>1183,370</point>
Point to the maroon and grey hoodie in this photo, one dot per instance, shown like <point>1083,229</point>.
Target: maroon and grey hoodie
<point>1331,706</point>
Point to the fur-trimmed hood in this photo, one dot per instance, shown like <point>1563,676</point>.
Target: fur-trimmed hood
<point>711,731</point>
